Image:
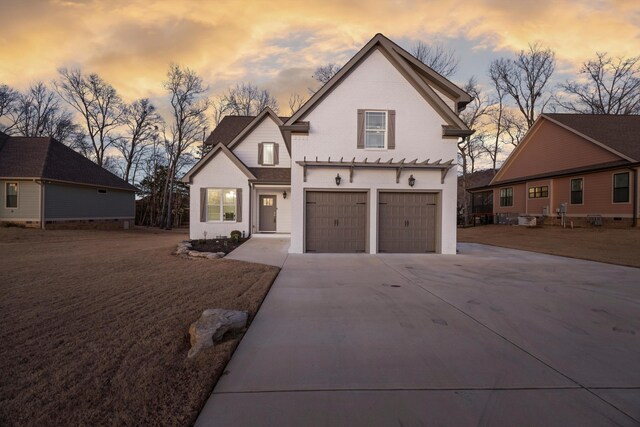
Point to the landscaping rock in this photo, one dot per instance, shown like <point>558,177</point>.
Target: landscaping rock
<point>221,254</point>
<point>211,255</point>
<point>197,254</point>
<point>212,325</point>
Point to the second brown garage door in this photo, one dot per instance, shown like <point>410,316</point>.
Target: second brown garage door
<point>407,222</point>
<point>336,221</point>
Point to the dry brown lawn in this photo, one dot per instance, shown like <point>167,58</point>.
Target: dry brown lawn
<point>95,326</point>
<point>614,246</point>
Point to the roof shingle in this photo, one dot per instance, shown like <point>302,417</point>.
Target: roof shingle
<point>272,175</point>
<point>620,133</point>
<point>230,127</point>
<point>46,158</point>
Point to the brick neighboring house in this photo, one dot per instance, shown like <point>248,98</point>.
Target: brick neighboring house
<point>45,184</point>
<point>580,167</point>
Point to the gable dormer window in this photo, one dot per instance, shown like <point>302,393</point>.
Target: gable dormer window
<point>376,129</point>
<point>268,153</point>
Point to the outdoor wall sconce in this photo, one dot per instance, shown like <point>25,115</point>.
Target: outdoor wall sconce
<point>412,181</point>
<point>284,195</point>
<point>338,179</point>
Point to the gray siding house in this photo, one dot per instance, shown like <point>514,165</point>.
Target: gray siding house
<point>45,184</point>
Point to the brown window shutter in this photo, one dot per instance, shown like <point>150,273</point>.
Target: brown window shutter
<point>260,154</point>
<point>276,153</point>
<point>360,129</point>
<point>391,136</point>
<point>203,205</point>
<point>239,204</point>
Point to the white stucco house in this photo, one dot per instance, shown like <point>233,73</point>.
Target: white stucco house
<point>366,165</point>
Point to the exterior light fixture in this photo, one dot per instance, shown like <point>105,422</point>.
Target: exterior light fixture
<point>338,179</point>
<point>412,181</point>
<point>284,195</point>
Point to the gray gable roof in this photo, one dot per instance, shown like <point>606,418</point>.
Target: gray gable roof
<point>230,127</point>
<point>619,133</point>
<point>46,158</point>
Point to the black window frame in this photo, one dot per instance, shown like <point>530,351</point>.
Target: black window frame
<point>506,199</point>
<point>577,196</point>
<point>621,190</point>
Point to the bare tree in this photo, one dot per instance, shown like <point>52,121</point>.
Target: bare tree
<point>438,57</point>
<point>97,102</point>
<point>470,148</point>
<point>188,106</point>
<point>612,86</point>
<point>38,112</point>
<point>324,73</point>
<point>221,108</point>
<point>141,122</point>
<point>247,99</point>
<point>295,102</point>
<point>8,97</point>
<point>515,128</point>
<point>525,79</point>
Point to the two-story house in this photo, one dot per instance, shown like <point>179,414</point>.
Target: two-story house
<point>366,165</point>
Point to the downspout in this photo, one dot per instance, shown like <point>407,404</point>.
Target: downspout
<point>250,210</point>
<point>42,187</point>
<point>634,222</point>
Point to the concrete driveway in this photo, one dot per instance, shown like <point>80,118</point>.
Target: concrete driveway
<point>488,337</point>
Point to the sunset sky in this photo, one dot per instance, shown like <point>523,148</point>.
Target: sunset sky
<point>278,44</point>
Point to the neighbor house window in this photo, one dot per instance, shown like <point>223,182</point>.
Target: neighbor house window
<point>506,196</point>
<point>11,191</point>
<point>576,191</point>
<point>538,192</point>
<point>621,187</point>
<point>375,129</point>
<point>221,204</point>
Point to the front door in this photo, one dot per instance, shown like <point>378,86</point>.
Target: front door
<point>268,213</point>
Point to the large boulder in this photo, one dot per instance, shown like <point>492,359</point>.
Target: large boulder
<point>212,325</point>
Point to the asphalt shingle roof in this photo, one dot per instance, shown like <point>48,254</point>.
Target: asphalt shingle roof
<point>272,175</point>
<point>621,133</point>
<point>229,127</point>
<point>46,158</point>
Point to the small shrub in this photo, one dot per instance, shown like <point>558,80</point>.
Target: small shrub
<point>235,235</point>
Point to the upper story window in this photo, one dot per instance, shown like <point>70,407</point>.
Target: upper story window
<point>375,129</point>
<point>506,196</point>
<point>576,191</point>
<point>268,153</point>
<point>538,192</point>
<point>11,198</point>
<point>621,187</point>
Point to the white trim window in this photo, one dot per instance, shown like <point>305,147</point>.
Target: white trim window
<point>221,204</point>
<point>268,154</point>
<point>375,129</point>
<point>11,195</point>
<point>621,187</point>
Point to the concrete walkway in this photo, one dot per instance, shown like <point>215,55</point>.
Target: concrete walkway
<point>271,249</point>
<point>488,337</point>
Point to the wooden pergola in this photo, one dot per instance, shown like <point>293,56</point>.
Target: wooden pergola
<point>443,167</point>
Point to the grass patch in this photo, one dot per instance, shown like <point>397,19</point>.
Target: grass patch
<point>95,326</point>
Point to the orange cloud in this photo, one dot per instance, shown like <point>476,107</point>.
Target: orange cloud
<point>131,42</point>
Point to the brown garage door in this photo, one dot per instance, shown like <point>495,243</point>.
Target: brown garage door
<point>407,222</point>
<point>336,221</point>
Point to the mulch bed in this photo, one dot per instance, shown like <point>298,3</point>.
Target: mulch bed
<point>224,244</point>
